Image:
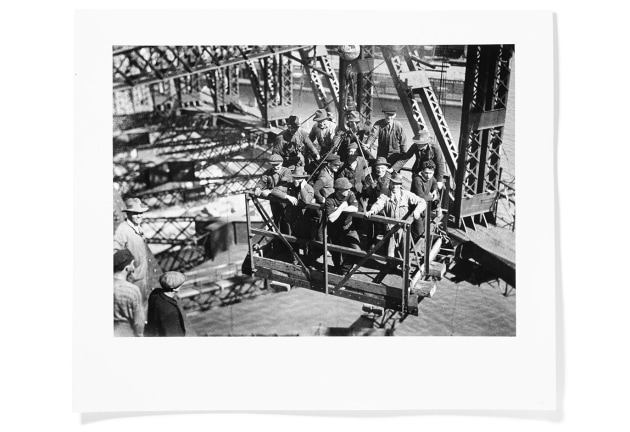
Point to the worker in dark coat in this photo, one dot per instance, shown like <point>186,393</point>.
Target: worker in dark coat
<point>424,149</point>
<point>388,137</point>
<point>354,169</point>
<point>165,317</point>
<point>341,230</point>
<point>353,133</point>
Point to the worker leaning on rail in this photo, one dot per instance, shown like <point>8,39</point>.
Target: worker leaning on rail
<point>396,206</point>
<point>276,178</point>
<point>341,229</point>
<point>389,136</point>
<point>294,145</point>
<point>423,149</point>
<point>354,132</point>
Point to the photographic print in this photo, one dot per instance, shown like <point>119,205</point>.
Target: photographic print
<point>314,190</point>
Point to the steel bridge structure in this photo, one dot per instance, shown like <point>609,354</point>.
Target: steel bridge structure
<point>181,105</point>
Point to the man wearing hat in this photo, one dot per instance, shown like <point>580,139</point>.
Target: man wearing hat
<point>294,145</point>
<point>424,149</point>
<point>340,227</point>
<point>388,136</point>
<point>323,131</point>
<point>165,317</point>
<point>129,236</point>
<point>353,133</point>
<point>275,179</point>
<point>128,308</point>
<point>324,184</point>
<point>396,206</point>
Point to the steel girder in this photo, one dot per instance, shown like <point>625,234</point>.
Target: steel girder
<point>310,61</point>
<point>365,83</point>
<point>432,107</point>
<point>151,64</point>
<point>481,136</point>
<point>405,92</point>
<point>272,83</point>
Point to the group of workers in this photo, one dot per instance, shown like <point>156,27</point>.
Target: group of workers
<point>350,169</point>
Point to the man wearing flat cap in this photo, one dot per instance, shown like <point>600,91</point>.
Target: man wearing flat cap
<point>165,317</point>
<point>129,236</point>
<point>294,145</point>
<point>388,136</point>
<point>374,184</point>
<point>298,194</point>
<point>128,307</point>
<point>423,149</point>
<point>341,229</point>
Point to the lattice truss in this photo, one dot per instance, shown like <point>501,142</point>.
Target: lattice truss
<point>272,83</point>
<point>365,84</point>
<point>152,64</point>
<point>489,91</point>
<point>317,65</point>
<point>414,90</point>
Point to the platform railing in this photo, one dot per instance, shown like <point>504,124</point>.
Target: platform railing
<point>291,269</point>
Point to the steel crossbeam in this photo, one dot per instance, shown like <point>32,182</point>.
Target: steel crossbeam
<point>481,136</point>
<point>405,93</point>
<point>151,64</point>
<point>310,61</point>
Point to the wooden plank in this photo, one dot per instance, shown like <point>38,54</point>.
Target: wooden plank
<point>268,274</point>
<point>476,204</point>
<point>278,265</point>
<point>376,301</point>
<point>365,286</point>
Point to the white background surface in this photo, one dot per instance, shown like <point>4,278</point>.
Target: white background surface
<point>593,297</point>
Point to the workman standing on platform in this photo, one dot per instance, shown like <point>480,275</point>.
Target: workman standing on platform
<point>396,206</point>
<point>298,194</point>
<point>129,235</point>
<point>424,149</point>
<point>389,136</point>
<point>278,179</point>
<point>323,132</point>
<point>353,133</point>
<point>294,145</point>
<point>340,225</point>
<point>129,312</point>
<point>375,184</point>
<point>354,169</point>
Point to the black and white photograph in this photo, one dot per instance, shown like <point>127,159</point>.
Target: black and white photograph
<point>314,190</point>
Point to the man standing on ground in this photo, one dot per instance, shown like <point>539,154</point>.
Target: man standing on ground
<point>129,236</point>
<point>165,317</point>
<point>128,309</point>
